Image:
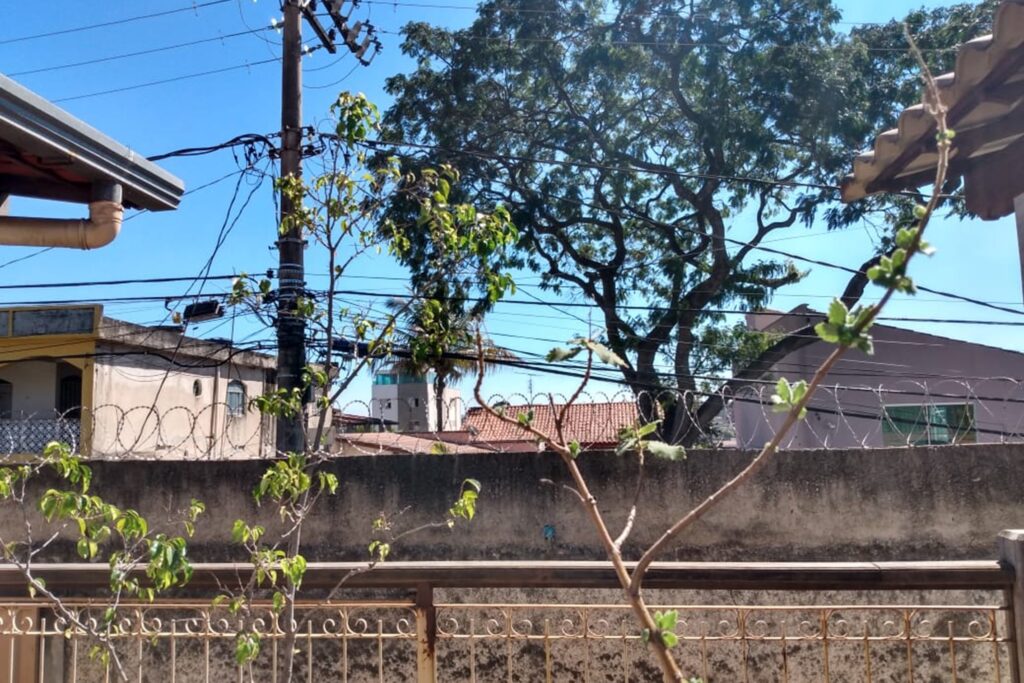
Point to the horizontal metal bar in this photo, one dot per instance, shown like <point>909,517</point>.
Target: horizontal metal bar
<point>83,579</point>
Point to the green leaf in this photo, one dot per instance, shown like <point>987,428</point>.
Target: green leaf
<point>782,390</point>
<point>665,451</point>
<point>278,601</point>
<point>827,332</point>
<point>669,638</point>
<point>647,429</point>
<point>837,312</point>
<point>558,355</point>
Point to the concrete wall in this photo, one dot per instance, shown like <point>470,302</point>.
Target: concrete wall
<point>907,368</point>
<point>150,407</point>
<point>899,504</point>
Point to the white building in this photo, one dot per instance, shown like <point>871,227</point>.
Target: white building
<point>410,401</point>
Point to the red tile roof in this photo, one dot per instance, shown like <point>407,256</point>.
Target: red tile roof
<point>588,423</point>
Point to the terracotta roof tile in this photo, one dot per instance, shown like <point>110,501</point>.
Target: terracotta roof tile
<point>588,423</point>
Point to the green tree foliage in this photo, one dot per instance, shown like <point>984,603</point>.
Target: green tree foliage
<point>631,139</point>
<point>438,335</point>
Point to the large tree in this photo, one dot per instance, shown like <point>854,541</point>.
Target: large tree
<point>635,140</point>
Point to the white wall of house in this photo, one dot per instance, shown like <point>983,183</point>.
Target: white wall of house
<point>907,369</point>
<point>146,406</point>
<point>33,388</point>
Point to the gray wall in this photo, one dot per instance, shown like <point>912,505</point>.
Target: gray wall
<point>901,504</point>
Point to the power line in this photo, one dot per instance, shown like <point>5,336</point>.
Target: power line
<point>139,53</point>
<point>26,257</point>
<point>163,81</point>
<point>194,7</point>
<point>724,311</point>
<point>245,139</point>
<point>106,283</point>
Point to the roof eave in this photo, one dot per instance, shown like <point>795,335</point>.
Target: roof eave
<point>43,129</point>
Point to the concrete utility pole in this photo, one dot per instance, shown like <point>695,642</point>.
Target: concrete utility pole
<point>291,327</point>
<point>291,276</point>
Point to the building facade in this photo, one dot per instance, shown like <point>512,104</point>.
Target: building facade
<point>410,401</point>
<point>115,389</point>
<point>915,389</point>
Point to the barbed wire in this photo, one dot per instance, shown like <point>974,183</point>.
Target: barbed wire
<point>899,414</point>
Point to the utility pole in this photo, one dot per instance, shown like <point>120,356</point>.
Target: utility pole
<point>291,326</point>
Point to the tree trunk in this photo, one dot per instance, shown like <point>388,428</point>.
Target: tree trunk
<point>794,341</point>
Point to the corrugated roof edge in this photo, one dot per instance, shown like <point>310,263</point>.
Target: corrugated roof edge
<point>42,128</point>
<point>973,61</point>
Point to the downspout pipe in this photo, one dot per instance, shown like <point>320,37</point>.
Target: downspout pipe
<point>106,214</point>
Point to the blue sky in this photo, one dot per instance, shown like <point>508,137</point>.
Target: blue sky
<point>977,259</point>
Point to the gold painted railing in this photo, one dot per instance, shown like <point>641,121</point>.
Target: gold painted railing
<point>546,621</point>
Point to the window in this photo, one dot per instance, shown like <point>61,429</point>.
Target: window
<point>416,402</point>
<point>928,425</point>
<point>69,401</point>
<point>236,397</point>
<point>6,399</point>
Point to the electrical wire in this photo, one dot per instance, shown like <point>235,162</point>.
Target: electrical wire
<point>713,311</point>
<point>26,257</point>
<point>194,7</point>
<point>138,53</point>
<point>729,240</point>
<point>245,139</point>
<point>162,81</point>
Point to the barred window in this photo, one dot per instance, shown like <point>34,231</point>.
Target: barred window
<point>923,425</point>
<point>236,397</point>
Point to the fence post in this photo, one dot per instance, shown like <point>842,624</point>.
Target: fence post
<point>1011,553</point>
<point>426,634</point>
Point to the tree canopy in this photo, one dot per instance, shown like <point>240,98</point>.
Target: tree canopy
<point>646,149</point>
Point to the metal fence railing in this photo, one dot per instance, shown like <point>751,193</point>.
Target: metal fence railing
<point>543,621</point>
<point>30,435</point>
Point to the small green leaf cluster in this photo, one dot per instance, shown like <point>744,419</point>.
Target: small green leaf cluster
<point>379,550</point>
<point>788,396</point>
<point>247,647</point>
<point>891,271</point>
<point>357,117</point>
<point>665,622</point>
<point>280,403</point>
<point>633,438</point>
<point>847,328</point>
<point>98,522</point>
<point>245,288</point>
<point>286,480</point>
<point>525,418</point>
<point>464,506</point>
